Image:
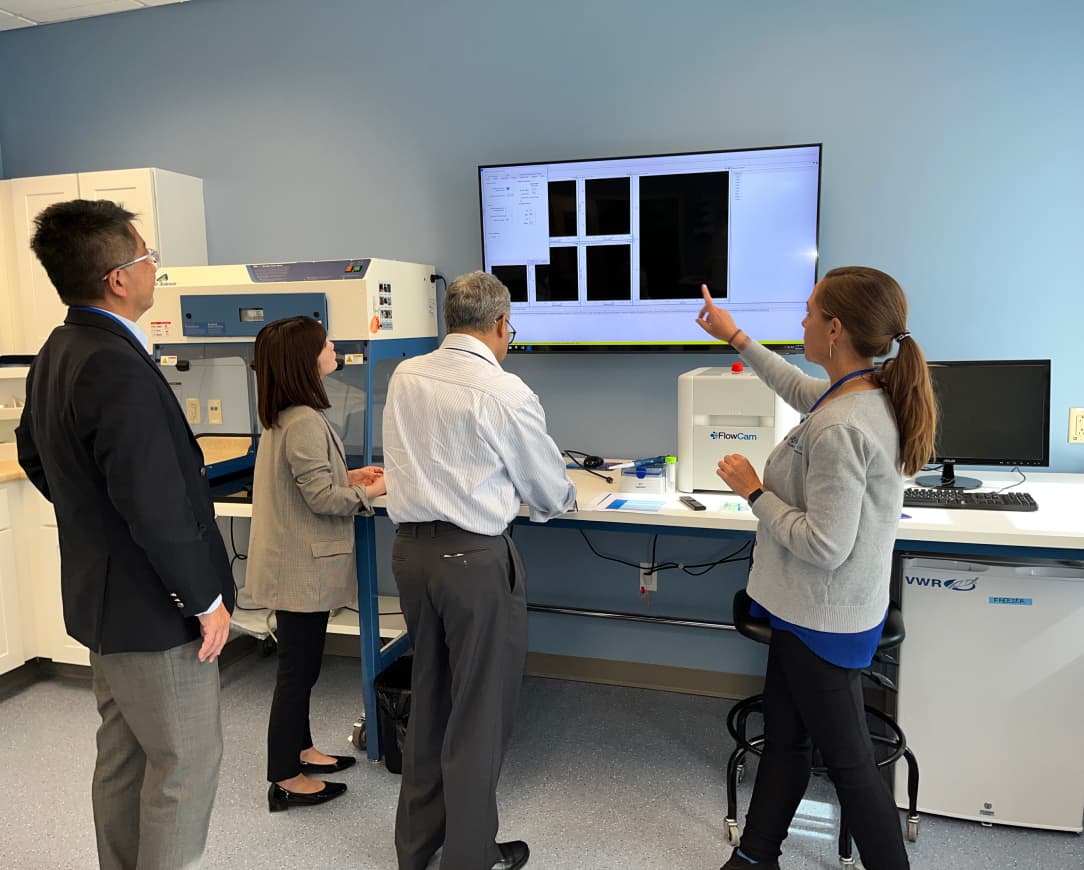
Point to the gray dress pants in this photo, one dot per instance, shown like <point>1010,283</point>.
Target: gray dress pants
<point>463,600</point>
<point>159,748</point>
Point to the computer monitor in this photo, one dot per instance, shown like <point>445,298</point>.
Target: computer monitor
<point>990,412</point>
<point>609,254</point>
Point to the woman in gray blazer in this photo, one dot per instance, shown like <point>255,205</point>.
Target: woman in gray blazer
<point>301,552</point>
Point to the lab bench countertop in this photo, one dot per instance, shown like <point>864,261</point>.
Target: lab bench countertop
<point>1058,524</point>
<point>214,450</point>
<point>9,464</point>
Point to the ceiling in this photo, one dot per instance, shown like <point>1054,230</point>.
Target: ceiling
<point>28,13</point>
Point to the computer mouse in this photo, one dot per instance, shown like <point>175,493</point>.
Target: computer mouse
<point>592,462</point>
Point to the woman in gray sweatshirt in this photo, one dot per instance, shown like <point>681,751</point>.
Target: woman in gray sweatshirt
<point>827,512</point>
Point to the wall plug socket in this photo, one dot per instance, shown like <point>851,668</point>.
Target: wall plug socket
<point>649,580</point>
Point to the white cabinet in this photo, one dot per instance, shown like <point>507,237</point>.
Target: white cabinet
<point>12,399</point>
<point>51,639</point>
<point>11,616</point>
<point>169,216</point>
<point>9,325</point>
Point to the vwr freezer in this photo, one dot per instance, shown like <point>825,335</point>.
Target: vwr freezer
<point>991,690</point>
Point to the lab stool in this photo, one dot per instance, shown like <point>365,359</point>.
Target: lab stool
<point>894,745</point>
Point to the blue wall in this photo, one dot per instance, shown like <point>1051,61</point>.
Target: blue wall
<point>952,159</point>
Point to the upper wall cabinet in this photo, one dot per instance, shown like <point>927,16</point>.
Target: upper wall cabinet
<point>169,216</point>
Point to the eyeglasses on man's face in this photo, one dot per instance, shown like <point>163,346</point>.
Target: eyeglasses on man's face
<point>508,323</point>
<point>151,254</point>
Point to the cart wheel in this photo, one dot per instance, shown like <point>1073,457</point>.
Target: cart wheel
<point>357,736</point>
<point>268,647</point>
<point>912,829</point>
<point>732,836</point>
<point>740,771</point>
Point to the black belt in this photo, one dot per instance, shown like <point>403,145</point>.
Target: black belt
<point>436,529</point>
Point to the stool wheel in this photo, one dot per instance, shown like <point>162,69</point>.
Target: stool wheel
<point>847,862</point>
<point>733,838</point>
<point>912,828</point>
<point>358,735</point>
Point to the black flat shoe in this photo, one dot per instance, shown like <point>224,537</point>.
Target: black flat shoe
<point>341,763</point>
<point>737,861</point>
<point>513,855</point>
<point>279,799</point>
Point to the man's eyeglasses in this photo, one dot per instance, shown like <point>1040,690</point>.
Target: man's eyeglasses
<point>151,254</point>
<point>508,323</point>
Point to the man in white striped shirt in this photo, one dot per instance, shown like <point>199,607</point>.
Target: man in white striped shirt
<point>464,442</point>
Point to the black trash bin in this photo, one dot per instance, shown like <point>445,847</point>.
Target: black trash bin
<point>393,700</point>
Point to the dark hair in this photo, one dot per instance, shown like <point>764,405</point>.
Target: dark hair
<point>78,242</point>
<point>287,373</point>
<point>872,307</point>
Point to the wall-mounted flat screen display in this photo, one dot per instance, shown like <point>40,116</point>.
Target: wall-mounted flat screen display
<point>609,254</point>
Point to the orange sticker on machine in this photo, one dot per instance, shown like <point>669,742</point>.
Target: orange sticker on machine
<point>374,325</point>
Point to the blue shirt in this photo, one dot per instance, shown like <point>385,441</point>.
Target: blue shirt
<point>844,650</point>
<point>130,325</point>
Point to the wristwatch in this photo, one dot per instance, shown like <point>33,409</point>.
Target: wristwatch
<point>755,494</point>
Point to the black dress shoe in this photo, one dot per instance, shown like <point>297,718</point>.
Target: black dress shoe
<point>513,855</point>
<point>341,763</point>
<point>279,799</point>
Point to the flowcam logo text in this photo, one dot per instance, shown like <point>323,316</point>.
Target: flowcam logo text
<point>962,584</point>
<point>732,436</point>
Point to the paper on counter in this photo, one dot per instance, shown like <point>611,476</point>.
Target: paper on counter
<point>628,503</point>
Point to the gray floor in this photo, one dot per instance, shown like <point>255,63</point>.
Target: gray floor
<point>598,777</point>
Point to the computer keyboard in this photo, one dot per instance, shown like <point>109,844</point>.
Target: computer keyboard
<point>920,496</point>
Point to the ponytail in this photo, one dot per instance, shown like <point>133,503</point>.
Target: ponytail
<point>906,380</point>
<point>872,307</point>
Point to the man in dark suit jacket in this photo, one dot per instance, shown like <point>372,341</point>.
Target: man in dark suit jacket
<point>145,578</point>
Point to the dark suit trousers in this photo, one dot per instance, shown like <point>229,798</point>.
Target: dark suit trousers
<point>463,599</point>
<point>300,638</point>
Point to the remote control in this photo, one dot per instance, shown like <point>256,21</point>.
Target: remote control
<point>691,503</point>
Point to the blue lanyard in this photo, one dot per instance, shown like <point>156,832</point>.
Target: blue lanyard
<point>839,384</point>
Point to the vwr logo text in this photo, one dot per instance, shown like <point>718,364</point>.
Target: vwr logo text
<point>733,436</point>
<point>964,584</point>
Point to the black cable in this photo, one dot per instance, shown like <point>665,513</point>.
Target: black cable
<point>436,276</point>
<point>603,556</point>
<point>379,612</point>
<point>579,464</point>
<point>737,555</point>
<point>237,557</point>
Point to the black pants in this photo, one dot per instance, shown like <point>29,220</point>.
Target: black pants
<point>301,651</point>
<point>463,599</point>
<point>808,702</point>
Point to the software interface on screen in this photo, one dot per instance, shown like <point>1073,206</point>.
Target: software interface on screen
<point>614,251</point>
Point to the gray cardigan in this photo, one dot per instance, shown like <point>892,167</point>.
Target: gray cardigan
<point>301,547</point>
<point>827,520</point>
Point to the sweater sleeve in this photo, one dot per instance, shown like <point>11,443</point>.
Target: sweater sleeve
<point>824,530</point>
<point>794,386</point>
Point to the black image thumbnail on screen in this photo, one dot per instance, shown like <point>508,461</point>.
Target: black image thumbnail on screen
<point>683,226</point>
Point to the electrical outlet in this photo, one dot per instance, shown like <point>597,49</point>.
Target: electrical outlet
<point>1076,425</point>
<point>191,411</point>
<point>649,580</point>
<point>214,412</point>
